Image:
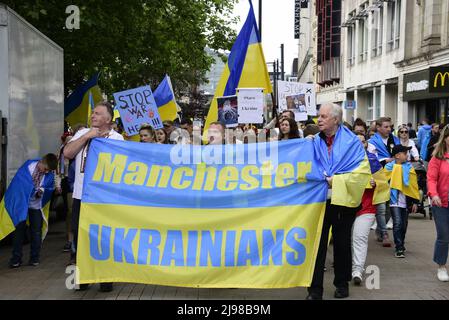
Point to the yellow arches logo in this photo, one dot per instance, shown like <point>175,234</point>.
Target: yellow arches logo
<point>439,79</point>
<point>442,78</point>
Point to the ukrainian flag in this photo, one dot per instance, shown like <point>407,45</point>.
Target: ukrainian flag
<point>382,190</point>
<point>246,67</point>
<point>14,206</point>
<point>402,178</point>
<point>78,106</point>
<point>165,100</point>
<point>347,164</point>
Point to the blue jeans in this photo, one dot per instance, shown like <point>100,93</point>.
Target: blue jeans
<point>441,218</point>
<point>400,222</point>
<point>36,221</point>
<point>382,217</point>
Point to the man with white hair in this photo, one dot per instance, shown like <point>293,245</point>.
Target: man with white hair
<point>345,167</point>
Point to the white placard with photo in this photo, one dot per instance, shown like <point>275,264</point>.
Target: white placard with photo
<point>306,93</point>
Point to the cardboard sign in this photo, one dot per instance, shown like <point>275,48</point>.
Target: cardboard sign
<point>289,89</point>
<point>137,106</point>
<point>250,105</point>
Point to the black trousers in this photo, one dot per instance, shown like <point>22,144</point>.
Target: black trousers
<point>76,206</point>
<point>341,220</point>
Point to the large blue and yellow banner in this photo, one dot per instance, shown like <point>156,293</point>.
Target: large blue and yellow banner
<point>231,216</point>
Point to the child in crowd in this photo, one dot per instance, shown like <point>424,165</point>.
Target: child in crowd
<point>404,191</point>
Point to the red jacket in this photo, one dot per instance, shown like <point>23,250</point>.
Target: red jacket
<point>438,179</point>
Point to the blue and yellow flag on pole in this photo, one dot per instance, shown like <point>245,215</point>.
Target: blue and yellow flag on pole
<point>14,205</point>
<point>246,67</point>
<point>165,100</point>
<point>78,106</point>
<point>226,216</point>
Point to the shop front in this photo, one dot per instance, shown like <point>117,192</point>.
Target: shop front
<point>422,91</point>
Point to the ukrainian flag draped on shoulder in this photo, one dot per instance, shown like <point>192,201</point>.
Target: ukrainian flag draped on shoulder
<point>348,164</point>
<point>381,148</point>
<point>165,100</point>
<point>14,205</point>
<point>382,189</point>
<point>78,105</point>
<point>246,67</point>
<point>201,216</point>
<point>402,178</point>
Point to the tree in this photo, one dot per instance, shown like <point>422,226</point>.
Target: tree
<point>134,42</point>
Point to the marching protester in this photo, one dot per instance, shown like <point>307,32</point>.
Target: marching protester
<point>310,131</point>
<point>162,136</point>
<point>434,137</point>
<point>288,129</point>
<point>360,127</point>
<point>424,138</point>
<point>216,133</point>
<point>340,207</point>
<point>78,148</point>
<point>403,132</point>
<point>404,192</point>
<point>27,198</point>
<point>381,144</point>
<point>63,173</point>
<point>438,186</point>
<point>411,131</point>
<point>364,220</point>
<point>147,134</point>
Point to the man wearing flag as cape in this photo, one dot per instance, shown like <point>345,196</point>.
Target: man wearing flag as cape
<point>347,172</point>
<point>28,198</point>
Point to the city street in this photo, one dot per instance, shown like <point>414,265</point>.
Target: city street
<point>411,278</point>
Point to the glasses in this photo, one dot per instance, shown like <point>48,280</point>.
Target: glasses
<point>403,131</point>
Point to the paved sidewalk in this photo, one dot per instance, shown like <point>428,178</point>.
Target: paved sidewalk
<point>411,278</point>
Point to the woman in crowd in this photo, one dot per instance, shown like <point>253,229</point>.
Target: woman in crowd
<point>438,186</point>
<point>403,136</point>
<point>162,136</point>
<point>147,134</point>
<point>288,129</point>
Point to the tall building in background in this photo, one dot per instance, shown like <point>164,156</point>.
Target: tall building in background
<point>327,51</point>
<point>306,36</point>
<point>426,43</point>
<point>373,38</point>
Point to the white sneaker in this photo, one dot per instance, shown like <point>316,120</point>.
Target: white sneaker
<point>374,226</point>
<point>357,278</point>
<point>390,224</point>
<point>442,274</point>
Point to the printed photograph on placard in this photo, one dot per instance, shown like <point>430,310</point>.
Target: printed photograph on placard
<point>227,111</point>
<point>297,103</point>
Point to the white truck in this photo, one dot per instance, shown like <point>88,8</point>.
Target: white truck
<point>31,94</point>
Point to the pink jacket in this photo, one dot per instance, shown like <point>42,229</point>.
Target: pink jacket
<point>438,179</point>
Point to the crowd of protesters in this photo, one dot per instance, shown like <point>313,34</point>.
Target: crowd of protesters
<point>384,147</point>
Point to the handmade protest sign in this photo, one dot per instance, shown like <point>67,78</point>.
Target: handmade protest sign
<point>137,106</point>
<point>250,105</point>
<point>305,94</point>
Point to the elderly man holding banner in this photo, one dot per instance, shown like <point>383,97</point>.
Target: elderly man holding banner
<point>347,172</point>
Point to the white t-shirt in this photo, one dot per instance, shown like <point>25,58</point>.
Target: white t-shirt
<point>402,201</point>
<point>35,203</point>
<point>413,153</point>
<point>79,177</point>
